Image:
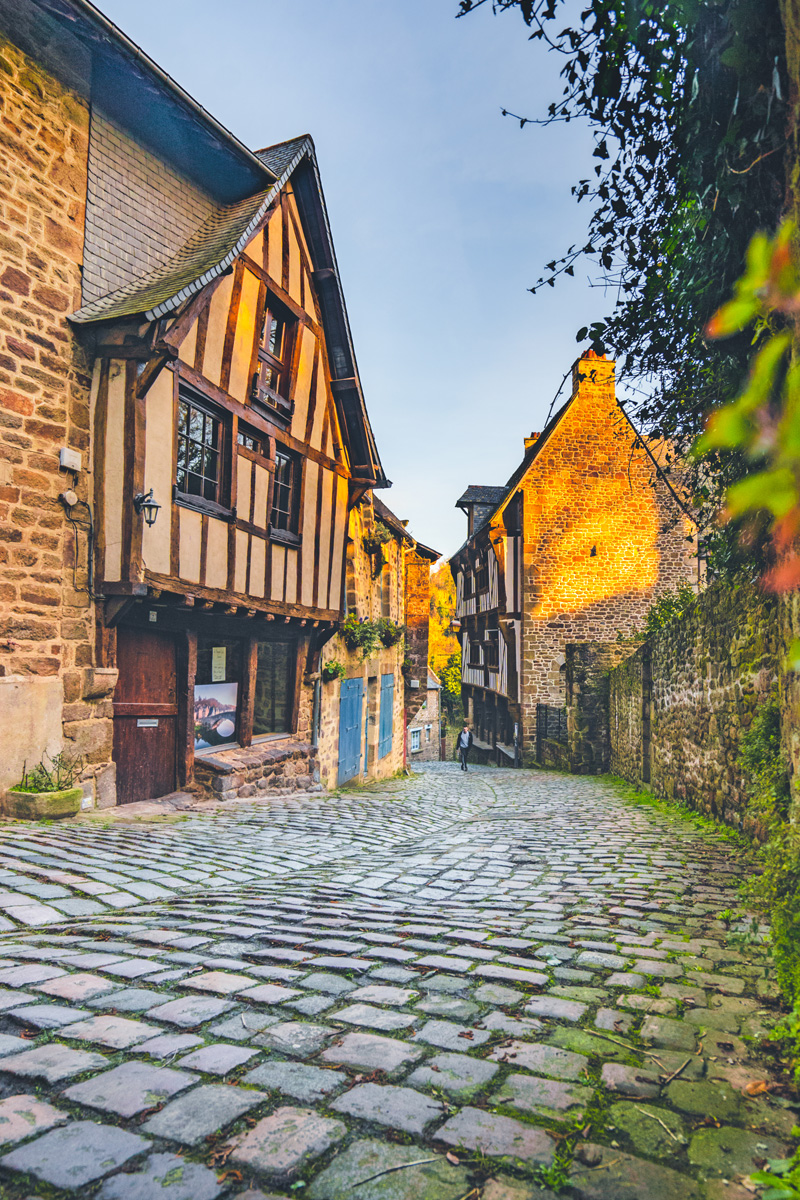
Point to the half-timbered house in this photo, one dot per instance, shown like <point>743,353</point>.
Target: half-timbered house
<point>184,420</point>
<point>574,548</point>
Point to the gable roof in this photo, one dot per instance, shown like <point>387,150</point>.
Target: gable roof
<point>481,494</point>
<point>211,251</point>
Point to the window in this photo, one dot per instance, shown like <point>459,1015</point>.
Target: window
<point>273,695</point>
<point>415,737</point>
<point>482,577</point>
<point>285,492</point>
<point>475,654</point>
<point>427,733</point>
<point>250,440</point>
<point>200,445</point>
<point>271,380</point>
<point>492,649</point>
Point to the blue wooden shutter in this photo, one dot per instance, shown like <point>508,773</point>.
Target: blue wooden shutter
<point>386,720</point>
<point>350,697</point>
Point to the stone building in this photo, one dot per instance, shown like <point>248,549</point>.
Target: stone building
<point>186,448</point>
<point>574,548</point>
<point>424,743</point>
<point>363,707</point>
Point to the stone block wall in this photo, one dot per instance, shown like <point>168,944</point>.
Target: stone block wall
<point>275,769</point>
<point>709,671</point>
<point>588,736</point>
<point>46,615</point>
<point>364,598</point>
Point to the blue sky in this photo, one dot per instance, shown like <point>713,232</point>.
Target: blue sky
<point>443,212</point>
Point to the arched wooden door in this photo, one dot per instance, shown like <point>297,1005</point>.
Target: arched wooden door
<point>145,714</point>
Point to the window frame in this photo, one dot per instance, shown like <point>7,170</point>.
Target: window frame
<point>289,534</point>
<point>217,507</point>
<point>414,737</point>
<point>267,397</point>
<point>491,649</point>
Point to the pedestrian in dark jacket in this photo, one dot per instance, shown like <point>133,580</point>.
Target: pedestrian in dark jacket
<point>464,745</point>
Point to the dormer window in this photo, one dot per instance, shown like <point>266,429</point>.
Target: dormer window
<point>271,379</point>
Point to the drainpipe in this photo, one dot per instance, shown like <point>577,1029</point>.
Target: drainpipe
<point>316,712</point>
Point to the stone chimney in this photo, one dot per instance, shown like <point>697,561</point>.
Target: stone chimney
<point>592,371</point>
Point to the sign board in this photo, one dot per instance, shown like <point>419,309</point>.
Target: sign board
<point>218,661</point>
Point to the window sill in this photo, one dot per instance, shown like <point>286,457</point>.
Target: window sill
<point>199,504</point>
<point>260,738</point>
<point>285,536</point>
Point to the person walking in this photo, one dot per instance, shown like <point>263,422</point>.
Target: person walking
<point>464,744</point>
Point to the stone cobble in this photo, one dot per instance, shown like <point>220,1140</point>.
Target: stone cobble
<point>504,985</point>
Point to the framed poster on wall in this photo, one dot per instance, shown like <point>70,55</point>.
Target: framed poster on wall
<point>215,714</point>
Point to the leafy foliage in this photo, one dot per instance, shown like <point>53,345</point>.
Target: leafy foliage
<point>363,636</point>
<point>761,761</point>
<point>763,423</point>
<point>668,607</point>
<point>686,101</point>
<point>781,1178</point>
<point>333,670</point>
<point>389,632</point>
<point>442,644</point>
<point>450,679</point>
<point>60,775</point>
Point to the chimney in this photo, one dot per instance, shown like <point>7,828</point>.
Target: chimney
<point>529,441</point>
<point>594,370</point>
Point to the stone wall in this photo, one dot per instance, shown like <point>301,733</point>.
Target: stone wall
<point>710,671</point>
<point>46,615</point>
<point>588,737</point>
<point>269,768</point>
<point>364,598</point>
<point>425,718</point>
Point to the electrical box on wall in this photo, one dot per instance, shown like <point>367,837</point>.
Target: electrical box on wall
<point>69,459</point>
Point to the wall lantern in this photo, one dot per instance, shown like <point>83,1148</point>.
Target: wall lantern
<point>145,504</point>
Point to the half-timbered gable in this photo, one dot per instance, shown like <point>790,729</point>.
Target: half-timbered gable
<point>574,548</point>
<point>231,440</point>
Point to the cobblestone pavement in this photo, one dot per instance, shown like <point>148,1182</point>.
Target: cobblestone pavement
<point>497,986</point>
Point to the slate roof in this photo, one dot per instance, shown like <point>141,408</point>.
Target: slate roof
<point>209,252</point>
<point>478,493</point>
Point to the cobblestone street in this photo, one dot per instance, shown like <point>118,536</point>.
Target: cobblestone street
<point>499,985</point>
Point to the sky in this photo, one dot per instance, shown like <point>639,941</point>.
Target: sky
<point>443,212</point>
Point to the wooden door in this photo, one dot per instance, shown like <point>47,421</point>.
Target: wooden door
<point>145,714</point>
<point>352,691</point>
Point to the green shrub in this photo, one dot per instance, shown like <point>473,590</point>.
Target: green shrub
<point>668,607</point>
<point>389,632</point>
<point>363,636</point>
<point>333,670</point>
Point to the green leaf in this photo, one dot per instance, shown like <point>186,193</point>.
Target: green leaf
<point>763,372</point>
<point>726,428</point>
<point>733,316</point>
<point>775,491</point>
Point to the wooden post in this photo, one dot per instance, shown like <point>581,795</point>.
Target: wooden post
<point>250,667</point>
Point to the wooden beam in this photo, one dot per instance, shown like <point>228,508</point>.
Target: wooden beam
<point>198,304</point>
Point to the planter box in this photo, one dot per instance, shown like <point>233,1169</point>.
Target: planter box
<point>42,806</point>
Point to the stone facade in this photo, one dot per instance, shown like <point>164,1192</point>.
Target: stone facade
<point>588,735</point>
<point>697,683</point>
<point>602,538</point>
<point>46,614</point>
<point>580,542</point>
<point>423,742</point>
<point>372,591</point>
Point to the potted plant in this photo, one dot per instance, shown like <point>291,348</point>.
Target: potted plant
<point>46,792</point>
<point>333,670</point>
<point>389,632</point>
